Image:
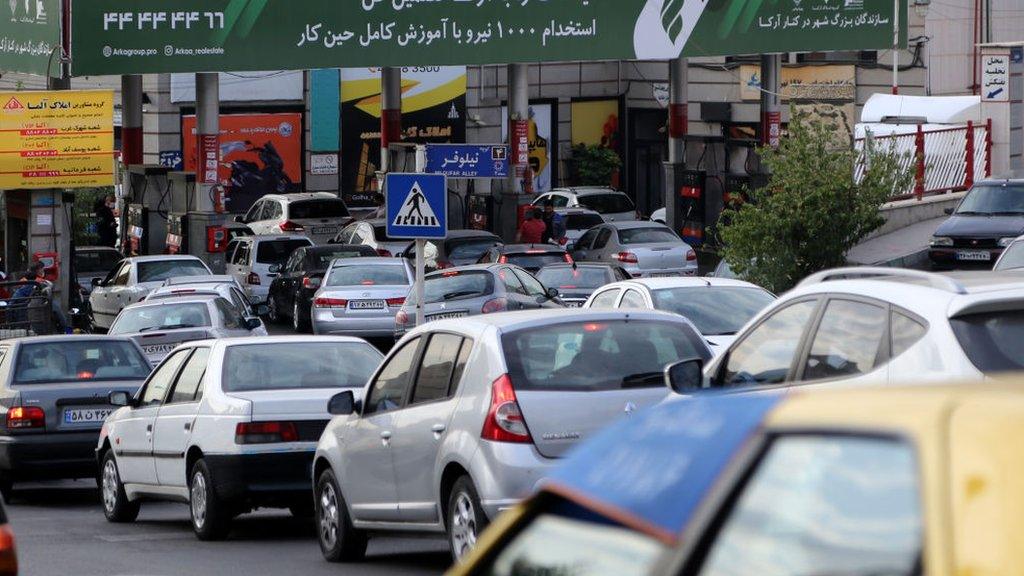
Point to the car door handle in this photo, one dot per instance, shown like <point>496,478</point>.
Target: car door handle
<point>149,428</point>
<point>385,438</point>
<point>188,426</point>
<point>438,430</point>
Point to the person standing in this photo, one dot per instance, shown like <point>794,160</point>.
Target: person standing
<point>106,222</point>
<point>554,224</point>
<point>532,229</point>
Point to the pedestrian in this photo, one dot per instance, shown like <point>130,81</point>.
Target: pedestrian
<point>106,222</point>
<point>554,223</point>
<point>532,229</point>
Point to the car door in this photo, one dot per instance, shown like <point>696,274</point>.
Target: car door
<point>536,294</point>
<point>101,299</point>
<point>849,344</point>
<point>132,437</point>
<point>632,299</point>
<point>172,430</point>
<point>581,249</point>
<point>600,250</point>
<point>230,322</point>
<point>121,290</point>
<point>422,426</point>
<point>605,298</point>
<point>231,259</point>
<point>369,473</point>
<point>274,216</point>
<point>254,218</point>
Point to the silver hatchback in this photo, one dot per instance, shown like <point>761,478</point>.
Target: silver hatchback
<point>644,249</point>
<point>360,297</point>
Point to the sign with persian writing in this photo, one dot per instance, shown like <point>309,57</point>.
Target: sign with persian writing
<point>828,82</point>
<point>29,35</point>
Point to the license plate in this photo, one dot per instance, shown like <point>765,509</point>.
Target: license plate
<point>366,305</point>
<point>322,230</point>
<point>446,316</point>
<point>159,348</point>
<point>574,304</point>
<point>974,255</point>
<point>86,415</point>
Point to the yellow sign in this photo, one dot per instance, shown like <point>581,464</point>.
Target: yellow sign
<point>830,82</point>
<point>56,139</point>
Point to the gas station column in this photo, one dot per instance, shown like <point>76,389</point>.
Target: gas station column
<point>208,138</point>
<point>771,114</point>
<point>678,118</point>
<point>391,112</point>
<point>131,119</point>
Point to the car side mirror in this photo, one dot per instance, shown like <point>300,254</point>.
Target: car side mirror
<point>239,219</point>
<point>119,398</point>
<point>685,377</point>
<point>275,268</point>
<point>261,309</point>
<point>553,293</point>
<point>97,282</point>
<point>253,323</point>
<point>343,404</point>
<point>949,211</point>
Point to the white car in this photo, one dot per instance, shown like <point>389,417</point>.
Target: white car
<point>660,216</point>
<point>876,326</point>
<point>254,261</point>
<point>316,215</point>
<point>612,205</point>
<point>577,221</point>
<point>132,280</point>
<point>227,426</point>
<point>717,307</point>
<point>1012,258</point>
<point>227,288</point>
<point>372,233</point>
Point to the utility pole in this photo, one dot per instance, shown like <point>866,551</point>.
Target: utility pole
<point>520,177</point>
<point>208,139</point>
<point>390,114</point>
<point>678,119</point>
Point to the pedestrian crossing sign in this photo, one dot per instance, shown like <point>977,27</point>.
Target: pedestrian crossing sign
<point>417,206</point>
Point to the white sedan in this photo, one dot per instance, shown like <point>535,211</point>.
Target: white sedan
<point>227,426</point>
<point>133,279</point>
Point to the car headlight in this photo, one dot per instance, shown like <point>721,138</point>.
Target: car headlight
<point>1004,242</point>
<point>941,241</point>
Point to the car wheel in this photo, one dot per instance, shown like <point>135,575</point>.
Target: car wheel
<point>339,541</point>
<point>272,313</point>
<point>116,506</point>
<point>211,516</point>
<point>300,323</point>
<point>466,518</point>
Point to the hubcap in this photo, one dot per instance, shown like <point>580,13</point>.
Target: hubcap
<point>110,485</point>
<point>328,512</point>
<point>463,525</point>
<point>295,317</point>
<point>198,500</point>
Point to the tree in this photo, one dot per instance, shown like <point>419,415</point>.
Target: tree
<point>594,164</point>
<point>812,211</point>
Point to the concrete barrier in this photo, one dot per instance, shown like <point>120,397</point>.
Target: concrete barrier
<point>899,215</point>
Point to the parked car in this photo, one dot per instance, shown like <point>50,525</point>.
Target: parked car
<point>723,270</point>
<point>473,290</point>
<point>718,307</point>
<point>844,482</point>
<point>660,216</point>
<point>576,282</point>
<point>318,216</point>
<point>234,425</point>
<point>360,297</point>
<point>530,257</point>
<point>466,416</point>
<point>254,261</point>
<point>291,293</point>
<point>237,230</point>
<point>372,233</point>
<point>1012,258</point>
<point>160,326</point>
<point>133,279</point>
<point>94,263</point>
<point>987,220</point>
<point>460,248</point>
<point>612,205</point>
<point>227,289</point>
<point>644,249</point>
<point>54,392</point>
<point>577,222</point>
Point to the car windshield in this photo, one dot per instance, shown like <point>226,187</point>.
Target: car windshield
<point>567,278</point>
<point>277,251</point>
<point>317,209</point>
<point>582,221</point>
<point>162,317</point>
<point>1012,258</point>
<point>160,270</point>
<point>652,235</point>
<point>714,310</point>
<point>598,355</point>
<point>993,199</point>
<point>93,261</point>
<point>321,259</point>
<point>470,249</point>
<point>534,261</point>
<point>79,361</point>
<point>299,365</point>
<point>454,285</point>
<point>606,203</point>
<point>368,275</point>
<point>993,341</point>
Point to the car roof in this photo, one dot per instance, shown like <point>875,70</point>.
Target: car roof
<point>327,248</point>
<point>557,265</point>
<point>205,279</point>
<point>162,257</point>
<point>1012,177</point>
<point>458,234</point>
<point>524,248</point>
<point>183,299</point>
<point>96,249</point>
<point>688,282</point>
<point>511,321</point>
<point>300,196</point>
<point>66,338</point>
<point>631,224</point>
<point>588,190</point>
<point>370,261</point>
<point>272,238</point>
<point>242,341</point>
<point>577,211</point>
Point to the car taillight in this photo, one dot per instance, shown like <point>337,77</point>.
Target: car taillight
<point>253,279</point>
<point>265,432</point>
<point>505,421</point>
<point>310,283</point>
<point>289,226</point>
<point>322,302</point>
<point>691,256</point>
<point>627,258</point>
<point>8,552</point>
<point>496,305</point>
<point>384,253</point>
<point>395,301</point>
<point>25,418</point>
<point>442,265</point>
<point>503,260</point>
<point>402,318</point>
<point>567,258</point>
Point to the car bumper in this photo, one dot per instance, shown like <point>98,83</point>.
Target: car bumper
<point>504,474</point>
<point>49,456</point>
<point>265,478</point>
<point>947,257</point>
<point>325,323</point>
<point>656,272</point>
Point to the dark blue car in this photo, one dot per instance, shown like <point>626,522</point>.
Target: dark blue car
<point>987,220</point>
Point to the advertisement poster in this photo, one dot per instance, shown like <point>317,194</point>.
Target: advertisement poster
<point>433,112</point>
<point>596,122</point>
<point>56,139</point>
<point>541,138</point>
<point>259,154</point>
<point>29,31</point>
<point>832,82</point>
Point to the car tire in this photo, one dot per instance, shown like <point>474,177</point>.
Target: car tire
<point>211,515</point>
<point>116,505</point>
<point>300,324</point>
<point>339,540</point>
<point>465,520</point>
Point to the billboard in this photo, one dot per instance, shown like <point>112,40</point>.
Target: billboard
<point>29,33</point>
<point>146,36</point>
<point>260,154</point>
<point>56,139</point>
<point>541,143</point>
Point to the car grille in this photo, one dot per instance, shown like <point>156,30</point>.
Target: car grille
<point>310,430</point>
<point>975,242</point>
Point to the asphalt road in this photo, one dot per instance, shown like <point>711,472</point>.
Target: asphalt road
<point>60,530</point>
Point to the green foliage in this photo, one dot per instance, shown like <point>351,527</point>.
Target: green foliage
<point>594,164</point>
<point>812,212</point>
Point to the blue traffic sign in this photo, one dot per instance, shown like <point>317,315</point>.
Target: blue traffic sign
<point>468,160</point>
<point>417,205</point>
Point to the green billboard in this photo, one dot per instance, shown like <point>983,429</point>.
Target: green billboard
<point>147,36</point>
<point>29,32</point>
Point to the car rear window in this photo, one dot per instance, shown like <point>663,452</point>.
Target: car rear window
<point>535,261</point>
<point>161,270</point>
<point>87,261</point>
<point>582,221</point>
<point>455,285</point>
<point>80,361</point>
<point>162,317</point>
<point>652,235</point>
<point>607,203</point>
<point>306,209</point>
<point>277,251</point>
<point>993,341</point>
<point>299,365</point>
<point>321,260</point>
<point>714,310</point>
<point>368,275</point>
<point>470,249</point>
<point>598,355</point>
<point>567,278</point>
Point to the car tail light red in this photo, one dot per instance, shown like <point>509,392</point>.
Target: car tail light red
<point>691,256</point>
<point>627,258</point>
<point>265,432</point>
<point>310,283</point>
<point>396,301</point>
<point>253,279</point>
<point>505,421</point>
<point>384,253</point>
<point>25,418</point>
<point>567,258</point>
<point>450,273</point>
<point>442,265</point>
<point>8,552</point>
<point>289,226</point>
<point>322,302</point>
<point>496,305</point>
<point>402,318</point>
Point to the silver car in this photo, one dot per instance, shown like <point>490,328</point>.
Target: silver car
<point>644,249</point>
<point>465,417</point>
<point>361,296</point>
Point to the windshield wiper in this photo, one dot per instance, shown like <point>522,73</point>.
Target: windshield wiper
<point>451,295</point>
<point>642,379</point>
<point>168,327</point>
<point>971,213</point>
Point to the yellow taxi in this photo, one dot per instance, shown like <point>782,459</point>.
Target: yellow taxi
<point>866,482</point>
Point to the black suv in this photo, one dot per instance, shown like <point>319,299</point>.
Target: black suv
<point>987,220</point>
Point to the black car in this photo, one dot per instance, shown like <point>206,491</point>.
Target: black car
<point>987,220</point>
<point>459,248</point>
<point>530,257</point>
<point>576,282</point>
<point>94,262</point>
<point>291,293</point>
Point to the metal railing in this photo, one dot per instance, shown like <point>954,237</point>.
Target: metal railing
<point>25,310</point>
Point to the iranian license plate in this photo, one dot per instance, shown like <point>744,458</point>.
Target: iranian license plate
<point>446,316</point>
<point>159,348</point>
<point>366,305</point>
<point>86,415</point>
<point>324,230</point>
<point>973,255</point>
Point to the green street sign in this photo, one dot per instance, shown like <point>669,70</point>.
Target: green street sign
<point>29,31</point>
<point>146,36</point>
